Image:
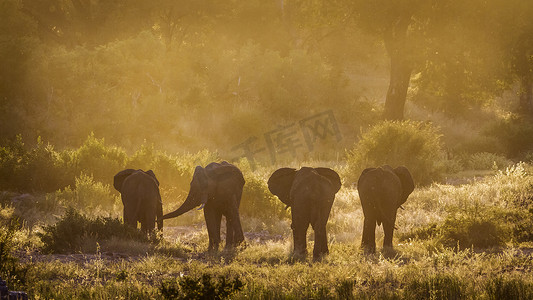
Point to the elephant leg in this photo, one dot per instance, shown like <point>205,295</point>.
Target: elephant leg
<point>368,242</point>
<point>299,233</point>
<point>234,233</point>
<point>388,229</point>
<point>300,223</point>
<point>212,220</point>
<point>147,219</point>
<point>229,232</point>
<point>130,216</point>
<point>159,212</point>
<point>321,242</point>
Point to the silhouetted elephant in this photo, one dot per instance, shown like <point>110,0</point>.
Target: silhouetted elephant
<point>218,188</point>
<point>139,191</point>
<point>310,193</point>
<point>382,191</point>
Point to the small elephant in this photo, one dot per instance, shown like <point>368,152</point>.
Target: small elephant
<point>218,189</point>
<point>140,195</point>
<point>382,191</point>
<point>310,193</point>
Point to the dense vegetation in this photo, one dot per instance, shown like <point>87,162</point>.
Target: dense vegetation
<point>90,87</point>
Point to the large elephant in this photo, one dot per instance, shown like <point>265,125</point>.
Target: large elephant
<point>310,193</point>
<point>140,195</point>
<point>382,191</point>
<point>218,189</point>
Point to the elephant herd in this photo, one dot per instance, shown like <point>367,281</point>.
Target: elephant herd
<point>309,192</point>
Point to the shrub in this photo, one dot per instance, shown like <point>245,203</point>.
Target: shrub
<point>98,160</point>
<point>258,202</point>
<point>515,134</point>
<point>204,287</point>
<point>86,194</point>
<point>10,268</point>
<point>464,232</point>
<point>486,161</point>
<point>412,144</point>
<point>67,234</point>
<point>40,169</point>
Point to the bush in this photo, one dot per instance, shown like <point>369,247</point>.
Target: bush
<point>515,134</point>
<point>258,202</point>
<point>86,194</point>
<point>98,160</point>
<point>10,268</point>
<point>466,233</point>
<point>486,161</point>
<point>412,144</point>
<point>203,287</point>
<point>67,234</point>
<point>39,169</point>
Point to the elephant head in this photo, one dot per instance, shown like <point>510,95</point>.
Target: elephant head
<point>374,178</point>
<point>119,178</point>
<point>198,193</point>
<point>281,181</point>
<point>203,185</point>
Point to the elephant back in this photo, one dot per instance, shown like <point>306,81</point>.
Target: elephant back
<point>223,171</point>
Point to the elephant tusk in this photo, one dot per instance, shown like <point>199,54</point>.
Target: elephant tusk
<point>202,206</point>
<point>402,207</point>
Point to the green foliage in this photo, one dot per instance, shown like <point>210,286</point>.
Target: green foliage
<point>204,287</point>
<point>99,160</point>
<point>66,236</point>
<point>40,168</point>
<point>258,201</point>
<point>11,269</point>
<point>412,144</point>
<point>87,194</point>
<point>515,134</point>
<point>464,232</point>
<point>486,161</point>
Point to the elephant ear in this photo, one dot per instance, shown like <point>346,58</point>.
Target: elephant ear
<point>152,174</point>
<point>332,176</point>
<point>223,171</point>
<point>119,178</point>
<point>408,186</point>
<point>280,184</point>
<point>362,178</point>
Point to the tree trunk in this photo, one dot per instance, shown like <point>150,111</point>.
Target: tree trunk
<point>395,39</point>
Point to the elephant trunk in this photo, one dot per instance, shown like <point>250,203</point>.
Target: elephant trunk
<point>185,207</point>
<point>190,203</point>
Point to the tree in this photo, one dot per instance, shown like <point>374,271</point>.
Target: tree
<point>401,25</point>
<point>89,22</point>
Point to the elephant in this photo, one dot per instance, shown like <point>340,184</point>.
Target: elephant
<point>217,188</point>
<point>140,195</point>
<point>382,191</point>
<point>310,193</point>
